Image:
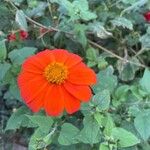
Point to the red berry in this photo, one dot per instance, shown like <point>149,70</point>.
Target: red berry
<point>147,16</point>
<point>23,34</point>
<point>11,37</point>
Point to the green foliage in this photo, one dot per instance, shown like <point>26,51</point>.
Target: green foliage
<point>144,82</point>
<point>106,80</point>
<point>113,38</point>
<point>101,100</point>
<point>18,119</point>
<point>17,56</point>
<point>126,139</point>
<point>142,124</point>
<point>122,22</point>
<point>68,134</point>
<point>4,67</point>
<point>91,132</point>
<point>3,51</point>
<point>21,20</point>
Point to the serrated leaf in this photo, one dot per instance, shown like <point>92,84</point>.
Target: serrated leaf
<point>101,100</point>
<point>127,70</point>
<point>106,80</point>
<point>86,15</point>
<point>17,118</point>
<point>21,20</point>
<point>80,34</point>
<point>3,50</point>
<point>124,137</point>
<point>99,30</point>
<point>36,140</point>
<point>41,121</point>
<point>122,22</point>
<point>91,131</point>
<point>142,124</point>
<point>17,56</point>
<point>3,70</point>
<point>104,146</point>
<point>145,40</point>
<point>68,134</point>
<point>145,81</point>
<point>91,54</point>
<point>109,125</point>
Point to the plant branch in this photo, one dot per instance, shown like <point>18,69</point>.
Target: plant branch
<point>115,55</point>
<point>37,23</point>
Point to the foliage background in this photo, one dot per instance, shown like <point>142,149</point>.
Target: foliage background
<point>113,38</point>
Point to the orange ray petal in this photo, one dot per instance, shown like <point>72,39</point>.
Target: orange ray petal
<point>54,101</point>
<point>60,55</point>
<point>38,62</point>
<point>71,103</point>
<point>36,104</point>
<point>30,85</point>
<point>81,75</point>
<point>81,92</point>
<point>73,60</point>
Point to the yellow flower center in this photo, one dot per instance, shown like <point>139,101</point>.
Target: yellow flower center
<point>56,73</point>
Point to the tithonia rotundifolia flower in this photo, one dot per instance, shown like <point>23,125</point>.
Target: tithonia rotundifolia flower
<point>55,80</point>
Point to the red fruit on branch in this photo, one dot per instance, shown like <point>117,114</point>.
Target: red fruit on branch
<point>147,16</point>
<point>23,34</point>
<point>11,37</point>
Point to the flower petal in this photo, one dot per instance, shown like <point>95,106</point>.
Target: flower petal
<point>71,103</point>
<point>38,62</point>
<point>81,92</point>
<point>36,104</point>
<point>81,75</point>
<point>30,85</point>
<point>73,60</point>
<point>54,101</point>
<point>60,55</point>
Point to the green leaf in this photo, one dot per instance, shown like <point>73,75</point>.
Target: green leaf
<point>3,51</point>
<point>127,70</point>
<point>91,54</point>
<point>101,100</point>
<point>3,70</point>
<point>109,125</point>
<point>145,40</point>
<point>17,119</point>
<point>21,20</point>
<point>68,134</point>
<point>17,56</point>
<point>144,82</point>
<point>14,91</point>
<point>124,137</point>
<point>142,124</point>
<point>122,22</point>
<point>80,34</point>
<point>86,15</point>
<point>82,4</point>
<point>104,146</point>
<point>91,131</point>
<point>36,140</point>
<point>99,118</point>
<point>121,91</point>
<point>76,10</point>
<point>41,121</point>
<point>106,80</point>
<point>17,2</point>
<point>99,30</point>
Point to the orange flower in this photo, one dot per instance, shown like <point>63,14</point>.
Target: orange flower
<point>55,80</point>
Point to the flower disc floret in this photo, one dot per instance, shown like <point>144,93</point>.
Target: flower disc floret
<point>56,73</point>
